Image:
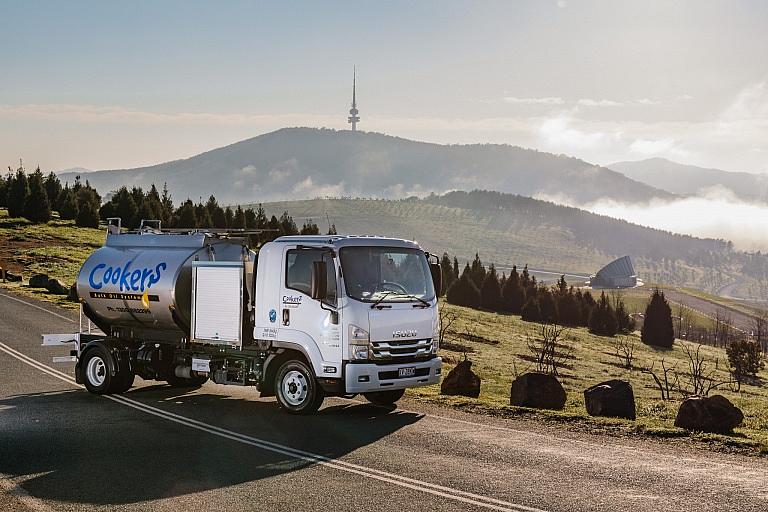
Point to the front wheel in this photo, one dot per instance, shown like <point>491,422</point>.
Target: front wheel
<point>388,397</point>
<point>296,388</point>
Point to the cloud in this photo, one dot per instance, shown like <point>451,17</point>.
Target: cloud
<point>744,224</point>
<point>751,103</point>
<point>549,100</point>
<point>587,102</point>
<point>559,132</point>
<point>647,101</point>
<point>651,147</point>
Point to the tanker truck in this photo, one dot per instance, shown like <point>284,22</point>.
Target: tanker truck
<point>300,318</point>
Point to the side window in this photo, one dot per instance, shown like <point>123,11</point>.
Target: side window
<point>298,274</point>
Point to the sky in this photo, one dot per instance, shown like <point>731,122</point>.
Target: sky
<point>107,84</point>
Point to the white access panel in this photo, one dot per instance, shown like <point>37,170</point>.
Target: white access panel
<point>217,303</point>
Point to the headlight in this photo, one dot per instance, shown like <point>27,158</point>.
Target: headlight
<point>358,343</point>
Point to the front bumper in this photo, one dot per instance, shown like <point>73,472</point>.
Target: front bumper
<point>364,378</point>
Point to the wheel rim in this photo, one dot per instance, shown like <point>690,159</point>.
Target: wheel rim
<point>295,388</point>
<point>96,371</point>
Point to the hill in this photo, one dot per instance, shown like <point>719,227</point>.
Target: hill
<point>298,163</point>
<point>689,179</point>
<point>508,229</point>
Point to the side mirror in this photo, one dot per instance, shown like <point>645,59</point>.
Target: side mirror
<point>319,284</point>
<point>437,278</point>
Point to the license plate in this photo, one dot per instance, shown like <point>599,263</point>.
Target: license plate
<point>406,372</point>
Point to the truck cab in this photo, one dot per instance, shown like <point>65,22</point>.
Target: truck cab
<point>362,310</point>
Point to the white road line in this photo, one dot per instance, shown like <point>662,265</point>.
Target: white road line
<point>38,307</point>
<point>632,449</point>
<point>391,478</point>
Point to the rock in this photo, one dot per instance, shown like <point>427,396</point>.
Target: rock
<point>461,381</point>
<point>11,277</point>
<point>72,295</point>
<point>538,390</point>
<point>39,281</point>
<point>613,398</point>
<point>57,287</point>
<point>709,414</point>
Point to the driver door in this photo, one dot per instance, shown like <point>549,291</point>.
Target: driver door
<point>302,316</point>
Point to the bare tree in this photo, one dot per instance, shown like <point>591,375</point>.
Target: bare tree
<point>663,382</point>
<point>722,327</point>
<point>701,376</point>
<point>683,321</point>
<point>549,348</point>
<point>447,318</point>
<point>624,350</point>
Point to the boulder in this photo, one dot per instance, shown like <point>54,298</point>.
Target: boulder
<point>72,295</point>
<point>39,281</point>
<point>461,381</point>
<point>57,287</point>
<point>11,277</point>
<point>709,414</point>
<point>537,390</point>
<point>612,398</point>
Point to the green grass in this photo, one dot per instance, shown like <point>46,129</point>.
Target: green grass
<point>57,248</point>
<point>497,365</point>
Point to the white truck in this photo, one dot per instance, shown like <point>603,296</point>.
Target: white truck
<point>302,318</point>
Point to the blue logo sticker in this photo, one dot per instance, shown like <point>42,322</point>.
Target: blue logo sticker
<point>272,315</point>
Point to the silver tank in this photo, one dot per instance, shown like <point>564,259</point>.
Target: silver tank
<point>144,280</point>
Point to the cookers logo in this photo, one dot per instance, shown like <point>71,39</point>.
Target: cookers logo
<point>130,280</point>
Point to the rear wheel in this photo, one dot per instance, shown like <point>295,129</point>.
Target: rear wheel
<point>95,371</point>
<point>388,397</point>
<point>296,389</point>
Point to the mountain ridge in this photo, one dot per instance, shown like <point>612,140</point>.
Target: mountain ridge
<point>294,163</point>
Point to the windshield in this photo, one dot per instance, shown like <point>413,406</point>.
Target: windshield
<point>386,274</point>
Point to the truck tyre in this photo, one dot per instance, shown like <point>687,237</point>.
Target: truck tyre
<point>388,397</point>
<point>296,389</point>
<point>95,371</point>
<point>124,383</point>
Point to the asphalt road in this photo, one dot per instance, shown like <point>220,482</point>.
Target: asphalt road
<point>222,448</point>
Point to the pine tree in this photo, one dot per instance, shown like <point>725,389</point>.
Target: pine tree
<point>513,295</point>
<point>568,309</point>
<point>455,267</point>
<point>238,222</point>
<point>531,311</point>
<point>548,307</point>
<point>203,218</point>
<point>478,271</point>
<point>603,320</point>
<point>658,329</point>
<point>37,208</point>
<point>166,204</point>
<point>87,210</point>
<point>332,230</point>
<point>124,206</point>
<point>463,292</point>
<point>18,191</point>
<point>309,228</point>
<point>250,218</point>
<point>287,225</point>
<point>185,215</point>
<point>52,188</point>
<point>490,291</point>
<point>67,204</point>
<point>3,192</point>
<point>229,217</point>
<point>447,271</point>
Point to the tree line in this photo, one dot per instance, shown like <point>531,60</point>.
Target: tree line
<point>35,196</point>
<point>481,287</point>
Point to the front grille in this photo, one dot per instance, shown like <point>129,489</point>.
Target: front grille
<point>420,372</point>
<point>398,350</point>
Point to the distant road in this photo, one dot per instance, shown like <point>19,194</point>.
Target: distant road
<point>221,448</point>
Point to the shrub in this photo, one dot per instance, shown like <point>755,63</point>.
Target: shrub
<point>745,358</point>
<point>463,292</point>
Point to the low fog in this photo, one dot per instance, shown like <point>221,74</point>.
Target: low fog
<point>715,213</point>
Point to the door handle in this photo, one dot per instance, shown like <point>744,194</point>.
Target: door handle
<point>286,316</point>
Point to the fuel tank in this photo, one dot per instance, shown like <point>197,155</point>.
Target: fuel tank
<point>144,280</point>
